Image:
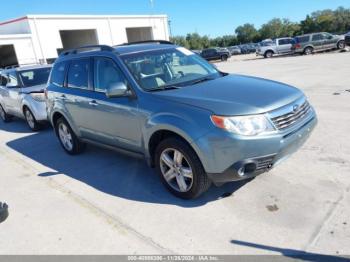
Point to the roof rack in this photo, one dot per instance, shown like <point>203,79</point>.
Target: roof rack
<point>89,47</point>
<point>161,42</point>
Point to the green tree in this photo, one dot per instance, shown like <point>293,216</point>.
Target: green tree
<point>308,25</point>
<point>247,33</point>
<point>180,40</point>
<point>279,28</point>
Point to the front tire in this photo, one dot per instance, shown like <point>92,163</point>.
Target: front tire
<point>180,169</point>
<point>4,116</point>
<point>224,58</point>
<point>68,140</point>
<point>31,121</point>
<point>341,44</point>
<point>268,54</point>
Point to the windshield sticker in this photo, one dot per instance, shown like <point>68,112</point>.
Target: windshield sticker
<point>185,51</point>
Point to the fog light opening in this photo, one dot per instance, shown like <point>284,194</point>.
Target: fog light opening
<point>247,169</point>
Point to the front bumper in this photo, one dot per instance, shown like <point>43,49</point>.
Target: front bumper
<point>235,158</point>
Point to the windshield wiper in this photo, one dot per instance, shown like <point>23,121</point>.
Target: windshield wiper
<point>162,88</point>
<point>204,79</point>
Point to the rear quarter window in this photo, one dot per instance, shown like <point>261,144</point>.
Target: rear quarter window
<point>58,73</point>
<point>302,39</point>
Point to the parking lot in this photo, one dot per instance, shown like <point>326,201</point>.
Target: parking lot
<point>102,202</point>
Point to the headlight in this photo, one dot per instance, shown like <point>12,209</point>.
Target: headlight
<point>40,97</point>
<point>243,125</point>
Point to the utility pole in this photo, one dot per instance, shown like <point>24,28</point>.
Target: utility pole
<point>170,31</point>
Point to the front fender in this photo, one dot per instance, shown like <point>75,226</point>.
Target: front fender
<point>189,129</point>
<point>37,108</point>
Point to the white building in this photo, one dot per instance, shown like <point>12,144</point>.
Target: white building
<point>40,38</point>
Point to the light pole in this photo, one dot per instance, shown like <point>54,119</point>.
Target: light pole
<point>170,31</point>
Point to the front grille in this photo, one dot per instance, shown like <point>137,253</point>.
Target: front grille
<point>292,117</point>
<point>264,163</point>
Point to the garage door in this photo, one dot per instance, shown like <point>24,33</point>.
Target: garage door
<point>76,38</point>
<point>8,56</point>
<point>136,34</point>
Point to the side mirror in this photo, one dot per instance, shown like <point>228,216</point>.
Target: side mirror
<point>117,90</point>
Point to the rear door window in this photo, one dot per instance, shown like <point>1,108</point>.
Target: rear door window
<point>317,37</point>
<point>58,73</point>
<point>282,42</point>
<point>78,74</point>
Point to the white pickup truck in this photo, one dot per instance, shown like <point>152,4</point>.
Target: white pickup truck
<point>278,46</point>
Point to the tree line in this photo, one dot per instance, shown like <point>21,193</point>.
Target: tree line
<point>333,21</point>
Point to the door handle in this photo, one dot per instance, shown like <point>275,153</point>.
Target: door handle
<point>93,103</point>
<point>63,97</point>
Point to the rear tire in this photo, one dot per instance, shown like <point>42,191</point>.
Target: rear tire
<point>31,121</point>
<point>308,51</point>
<point>224,58</point>
<point>68,140</point>
<point>341,44</point>
<point>4,116</point>
<point>268,54</point>
<point>189,169</point>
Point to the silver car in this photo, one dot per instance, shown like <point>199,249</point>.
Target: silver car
<point>278,46</point>
<point>22,94</point>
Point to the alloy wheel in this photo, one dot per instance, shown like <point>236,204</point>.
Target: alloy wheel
<point>30,119</point>
<point>65,136</point>
<point>176,170</point>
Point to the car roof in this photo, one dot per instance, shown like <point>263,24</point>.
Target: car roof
<point>311,34</point>
<point>135,48</point>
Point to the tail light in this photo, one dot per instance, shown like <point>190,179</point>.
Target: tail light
<point>297,45</point>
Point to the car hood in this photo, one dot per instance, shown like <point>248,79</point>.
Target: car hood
<point>37,88</point>
<point>235,95</point>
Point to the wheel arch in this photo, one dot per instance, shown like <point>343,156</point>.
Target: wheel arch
<point>158,136</point>
<point>164,125</point>
<point>58,114</point>
<point>308,46</point>
<point>269,50</point>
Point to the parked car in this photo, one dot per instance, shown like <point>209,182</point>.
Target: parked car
<point>310,43</point>
<point>193,123</point>
<point>234,50</point>
<point>248,48</point>
<point>347,39</point>
<point>22,94</point>
<point>216,54</point>
<point>279,46</point>
<point>198,52</point>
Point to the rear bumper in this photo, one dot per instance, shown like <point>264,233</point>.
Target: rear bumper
<point>251,157</point>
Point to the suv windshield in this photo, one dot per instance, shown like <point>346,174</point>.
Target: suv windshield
<point>34,77</point>
<point>169,68</point>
